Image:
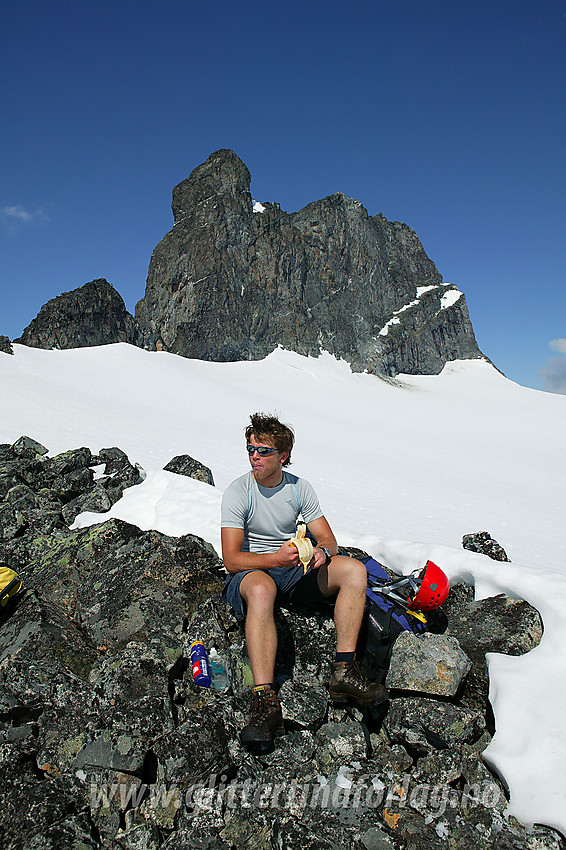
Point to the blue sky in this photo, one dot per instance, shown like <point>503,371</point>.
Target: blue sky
<point>449,116</point>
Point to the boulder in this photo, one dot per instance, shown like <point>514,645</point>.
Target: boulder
<point>339,744</point>
<point>96,500</point>
<point>28,447</point>
<point>71,461</point>
<point>495,624</point>
<point>431,664</point>
<point>483,542</point>
<point>40,810</point>
<point>303,706</point>
<point>119,473</point>
<point>187,465</point>
<point>121,583</point>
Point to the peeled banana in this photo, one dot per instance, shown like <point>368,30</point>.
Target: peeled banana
<point>304,545</point>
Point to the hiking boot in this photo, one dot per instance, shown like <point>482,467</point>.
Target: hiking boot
<point>348,682</point>
<point>266,719</point>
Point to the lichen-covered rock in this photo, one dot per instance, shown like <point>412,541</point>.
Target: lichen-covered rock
<point>70,461</point>
<point>40,495</point>
<point>431,664</point>
<point>340,743</point>
<point>307,642</point>
<point>42,811</point>
<point>122,584</point>
<point>37,636</point>
<point>495,624</point>
<point>27,446</point>
<point>303,705</point>
<point>96,500</point>
<point>195,751</point>
<point>421,724</point>
<point>119,473</point>
<point>187,465</point>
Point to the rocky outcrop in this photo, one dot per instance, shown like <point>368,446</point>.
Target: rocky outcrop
<point>40,495</point>
<point>5,345</point>
<point>227,283</point>
<point>495,624</point>
<point>106,742</point>
<point>93,314</point>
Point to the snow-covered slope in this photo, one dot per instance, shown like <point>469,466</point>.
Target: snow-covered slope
<point>402,468</point>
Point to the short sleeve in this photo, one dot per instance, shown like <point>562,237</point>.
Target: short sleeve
<point>234,507</point>
<point>310,506</point>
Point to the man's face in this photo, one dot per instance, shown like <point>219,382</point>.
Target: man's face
<point>267,470</point>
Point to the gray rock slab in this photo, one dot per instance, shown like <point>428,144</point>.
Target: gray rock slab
<point>428,663</point>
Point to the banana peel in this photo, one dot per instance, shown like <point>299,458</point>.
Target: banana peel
<point>303,545</point>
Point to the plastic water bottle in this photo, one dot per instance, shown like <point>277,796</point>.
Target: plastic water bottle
<point>199,664</point>
<point>219,677</point>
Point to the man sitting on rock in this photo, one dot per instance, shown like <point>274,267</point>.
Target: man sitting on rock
<point>259,515</point>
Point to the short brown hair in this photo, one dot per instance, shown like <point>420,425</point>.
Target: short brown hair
<point>264,425</point>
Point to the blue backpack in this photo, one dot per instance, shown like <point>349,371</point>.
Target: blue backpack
<point>385,618</point>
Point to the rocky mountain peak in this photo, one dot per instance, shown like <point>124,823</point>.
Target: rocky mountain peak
<point>228,283</point>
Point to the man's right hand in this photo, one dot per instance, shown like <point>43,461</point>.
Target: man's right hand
<point>287,555</point>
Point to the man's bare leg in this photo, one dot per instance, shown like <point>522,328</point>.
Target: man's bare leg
<point>258,590</point>
<point>265,721</point>
<point>348,578</point>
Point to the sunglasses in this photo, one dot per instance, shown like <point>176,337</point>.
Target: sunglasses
<point>261,450</point>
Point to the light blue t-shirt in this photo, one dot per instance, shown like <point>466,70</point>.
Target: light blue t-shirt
<point>268,515</point>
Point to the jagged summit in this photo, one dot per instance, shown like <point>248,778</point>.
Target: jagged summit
<point>222,174</point>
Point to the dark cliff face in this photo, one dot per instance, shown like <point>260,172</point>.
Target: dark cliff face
<point>230,284</point>
<point>93,314</point>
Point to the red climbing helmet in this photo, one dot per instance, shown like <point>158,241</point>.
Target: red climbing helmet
<point>433,590</point>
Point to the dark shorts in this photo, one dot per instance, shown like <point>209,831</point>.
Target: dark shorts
<point>292,586</point>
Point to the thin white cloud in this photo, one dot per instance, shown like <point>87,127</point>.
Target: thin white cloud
<point>16,215</point>
<point>553,375</point>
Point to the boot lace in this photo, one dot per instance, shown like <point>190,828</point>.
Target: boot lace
<point>264,703</point>
<point>353,674</point>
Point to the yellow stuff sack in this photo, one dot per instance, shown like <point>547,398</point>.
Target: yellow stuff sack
<point>10,584</point>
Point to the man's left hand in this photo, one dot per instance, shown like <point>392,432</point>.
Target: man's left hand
<point>318,558</point>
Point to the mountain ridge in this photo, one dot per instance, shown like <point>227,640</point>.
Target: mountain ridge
<point>229,282</point>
